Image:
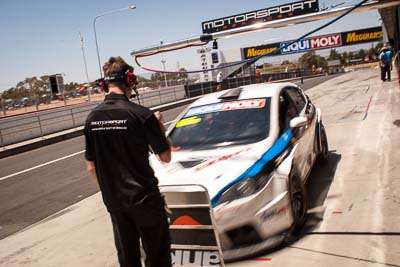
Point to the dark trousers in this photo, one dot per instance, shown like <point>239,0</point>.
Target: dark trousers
<point>385,70</point>
<point>146,220</point>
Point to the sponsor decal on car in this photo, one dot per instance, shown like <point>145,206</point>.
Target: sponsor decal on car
<point>188,121</point>
<point>225,212</point>
<point>203,109</point>
<point>195,258</point>
<point>231,105</point>
<point>269,214</point>
<point>244,104</point>
<point>225,157</point>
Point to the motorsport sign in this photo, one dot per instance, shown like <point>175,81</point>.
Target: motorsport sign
<point>316,42</point>
<point>263,15</point>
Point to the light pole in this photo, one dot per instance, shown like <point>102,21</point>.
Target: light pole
<point>84,61</point>
<point>95,34</point>
<point>163,62</point>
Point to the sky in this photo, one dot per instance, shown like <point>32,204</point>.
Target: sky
<point>41,37</point>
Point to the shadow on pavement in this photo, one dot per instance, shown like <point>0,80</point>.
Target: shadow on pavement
<point>320,180</point>
<point>317,186</point>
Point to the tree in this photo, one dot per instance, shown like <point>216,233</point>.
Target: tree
<point>29,87</point>
<point>309,59</point>
<point>286,62</point>
<point>72,86</point>
<point>157,76</point>
<point>378,47</point>
<point>334,54</point>
<point>362,53</point>
<point>266,65</point>
<point>182,75</point>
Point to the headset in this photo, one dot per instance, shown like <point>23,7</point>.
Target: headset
<point>129,78</point>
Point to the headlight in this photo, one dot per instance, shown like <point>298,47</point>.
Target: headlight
<point>245,187</point>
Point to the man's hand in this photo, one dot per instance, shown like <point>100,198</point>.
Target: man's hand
<point>160,119</point>
<point>91,169</point>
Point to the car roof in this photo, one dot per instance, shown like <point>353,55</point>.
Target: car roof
<point>260,90</point>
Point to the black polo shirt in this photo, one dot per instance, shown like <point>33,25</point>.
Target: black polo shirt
<point>118,135</point>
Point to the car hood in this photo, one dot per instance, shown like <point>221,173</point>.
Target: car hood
<point>214,169</point>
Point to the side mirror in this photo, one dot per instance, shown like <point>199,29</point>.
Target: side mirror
<point>298,122</point>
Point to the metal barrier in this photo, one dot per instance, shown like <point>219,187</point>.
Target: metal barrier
<point>197,89</point>
<point>25,127</point>
<point>28,126</point>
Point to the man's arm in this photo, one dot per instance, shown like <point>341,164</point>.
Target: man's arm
<point>91,169</point>
<point>164,156</point>
<point>160,145</point>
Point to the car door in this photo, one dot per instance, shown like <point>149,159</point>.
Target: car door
<point>303,136</point>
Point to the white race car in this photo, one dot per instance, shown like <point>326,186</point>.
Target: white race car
<point>252,148</point>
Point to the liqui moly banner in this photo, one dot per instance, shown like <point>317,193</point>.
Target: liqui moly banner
<point>315,43</point>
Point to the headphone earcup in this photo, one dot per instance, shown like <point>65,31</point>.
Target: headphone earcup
<point>130,79</point>
<point>103,86</point>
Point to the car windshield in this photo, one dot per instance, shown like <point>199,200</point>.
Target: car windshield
<point>222,124</point>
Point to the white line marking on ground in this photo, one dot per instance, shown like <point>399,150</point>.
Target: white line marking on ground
<point>41,165</point>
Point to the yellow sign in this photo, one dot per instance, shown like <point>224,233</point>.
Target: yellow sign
<point>188,121</point>
<point>353,37</point>
<point>252,52</point>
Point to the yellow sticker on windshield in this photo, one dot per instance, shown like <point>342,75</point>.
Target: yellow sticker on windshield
<point>188,121</point>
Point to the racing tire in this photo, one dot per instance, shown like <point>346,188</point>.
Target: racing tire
<point>298,203</point>
<point>323,152</point>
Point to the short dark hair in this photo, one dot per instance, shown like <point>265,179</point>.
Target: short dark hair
<point>116,66</point>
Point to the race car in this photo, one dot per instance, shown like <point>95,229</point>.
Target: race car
<point>252,148</point>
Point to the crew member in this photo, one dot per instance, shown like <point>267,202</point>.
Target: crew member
<point>219,81</point>
<point>385,62</point>
<point>119,136</point>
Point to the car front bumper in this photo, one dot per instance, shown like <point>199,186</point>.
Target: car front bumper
<point>256,223</point>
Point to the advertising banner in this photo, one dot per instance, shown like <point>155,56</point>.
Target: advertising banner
<point>259,16</point>
<point>362,36</point>
<point>316,43</point>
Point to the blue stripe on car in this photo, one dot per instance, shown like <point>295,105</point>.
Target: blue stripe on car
<point>253,170</point>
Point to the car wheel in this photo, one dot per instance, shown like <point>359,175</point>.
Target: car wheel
<point>298,202</point>
<point>323,150</point>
